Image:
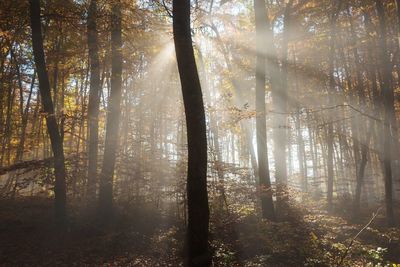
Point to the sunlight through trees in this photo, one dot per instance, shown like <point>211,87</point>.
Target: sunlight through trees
<point>200,132</point>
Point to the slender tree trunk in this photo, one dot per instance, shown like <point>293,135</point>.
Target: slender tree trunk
<point>279,102</point>
<point>267,205</point>
<point>24,123</point>
<point>398,22</point>
<point>313,152</point>
<point>94,100</point>
<point>238,101</point>
<point>360,175</point>
<point>114,110</point>
<point>215,133</point>
<point>301,154</point>
<point>57,49</point>
<point>2,90</point>
<point>330,136</point>
<point>389,117</point>
<point>52,126</point>
<point>198,210</point>
<point>6,149</point>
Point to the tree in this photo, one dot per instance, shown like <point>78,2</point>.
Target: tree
<point>113,115</point>
<point>389,119</point>
<point>330,134</point>
<point>197,250</point>
<point>94,99</point>
<point>267,205</point>
<point>51,122</point>
<point>279,90</point>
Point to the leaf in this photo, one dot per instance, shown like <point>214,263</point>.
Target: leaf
<point>313,236</point>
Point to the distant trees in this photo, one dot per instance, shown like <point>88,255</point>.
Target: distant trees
<point>51,122</point>
<point>113,114</point>
<point>197,250</point>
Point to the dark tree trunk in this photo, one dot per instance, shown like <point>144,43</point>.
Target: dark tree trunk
<point>360,175</point>
<point>94,100</point>
<point>198,211</point>
<point>113,111</point>
<point>389,118</point>
<point>267,205</point>
<point>51,122</point>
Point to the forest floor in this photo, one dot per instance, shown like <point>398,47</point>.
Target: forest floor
<point>304,236</point>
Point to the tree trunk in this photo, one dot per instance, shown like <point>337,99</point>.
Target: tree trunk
<point>238,101</point>
<point>94,100</point>
<point>389,118</point>
<point>267,205</point>
<point>52,126</point>
<point>21,145</point>
<point>279,102</point>
<point>331,89</point>
<point>398,22</point>
<point>198,211</point>
<point>301,153</point>
<point>360,175</point>
<point>113,111</point>
<point>218,162</point>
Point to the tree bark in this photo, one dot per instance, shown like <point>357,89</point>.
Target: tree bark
<point>94,100</point>
<point>52,126</point>
<point>113,111</point>
<point>389,117</point>
<point>197,249</point>
<point>267,205</point>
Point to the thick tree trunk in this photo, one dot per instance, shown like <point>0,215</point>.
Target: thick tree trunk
<point>197,248</point>
<point>94,100</point>
<point>267,205</point>
<point>113,111</point>
<point>52,126</point>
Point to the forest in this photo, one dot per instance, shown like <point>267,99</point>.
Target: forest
<point>199,133</point>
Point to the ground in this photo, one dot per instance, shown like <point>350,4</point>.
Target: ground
<point>303,236</point>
